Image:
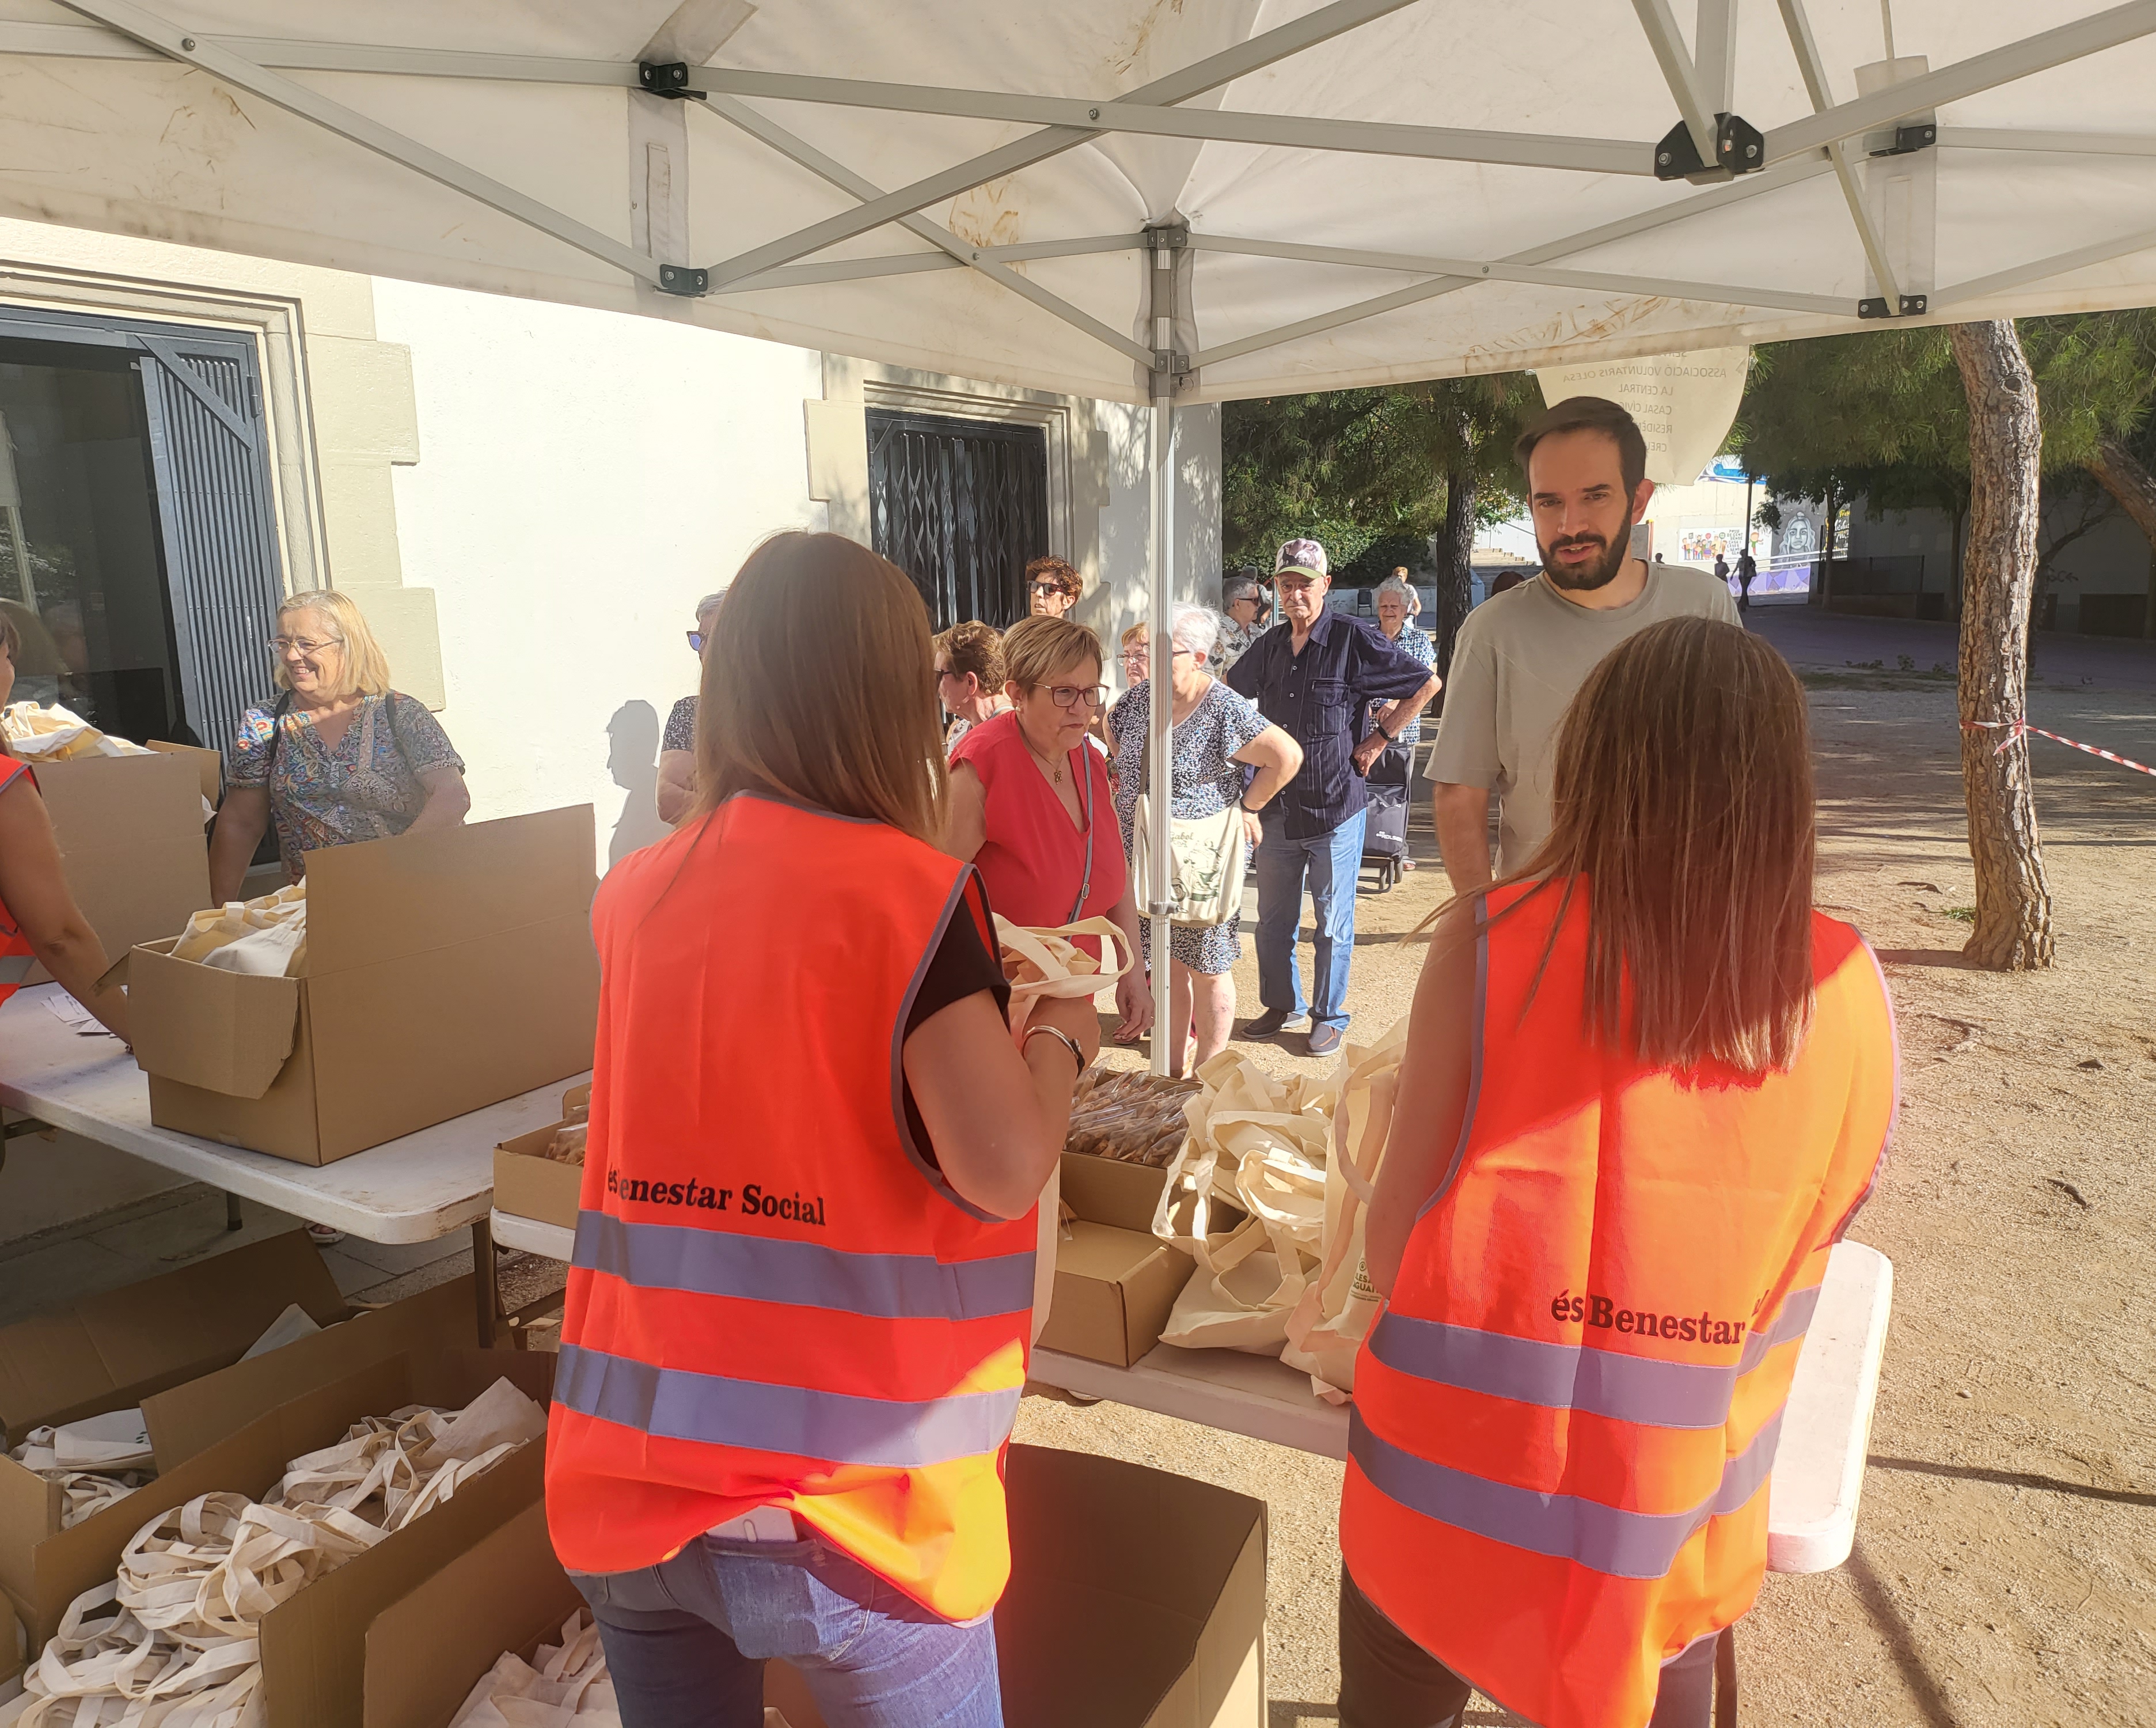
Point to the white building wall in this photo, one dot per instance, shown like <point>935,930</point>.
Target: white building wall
<point>584,478</point>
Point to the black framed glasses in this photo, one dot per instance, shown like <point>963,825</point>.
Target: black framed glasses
<point>1042,590</point>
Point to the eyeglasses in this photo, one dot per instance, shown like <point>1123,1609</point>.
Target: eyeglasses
<point>1043,590</point>
<point>1069,696</point>
<point>943,672</point>
<point>300,644</point>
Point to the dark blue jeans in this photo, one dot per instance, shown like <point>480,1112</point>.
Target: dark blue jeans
<point>686,1640</point>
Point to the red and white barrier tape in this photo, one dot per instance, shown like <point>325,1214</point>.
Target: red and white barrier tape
<point>2016,728</point>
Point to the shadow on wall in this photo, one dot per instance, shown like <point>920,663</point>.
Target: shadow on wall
<point>633,761</point>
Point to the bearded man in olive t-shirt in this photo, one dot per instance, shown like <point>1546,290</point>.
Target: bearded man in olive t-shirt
<point>1523,656</point>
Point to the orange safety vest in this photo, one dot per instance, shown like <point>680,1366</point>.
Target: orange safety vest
<point>776,1300</point>
<point>15,957</point>
<point>1565,1418</point>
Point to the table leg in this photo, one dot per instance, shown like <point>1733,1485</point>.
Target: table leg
<point>482,1279</point>
<point>232,1220</point>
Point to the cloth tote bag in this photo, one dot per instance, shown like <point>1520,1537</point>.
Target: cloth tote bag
<point>1205,861</point>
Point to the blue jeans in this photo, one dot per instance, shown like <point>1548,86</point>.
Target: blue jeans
<point>1331,862</point>
<point>686,1641</point>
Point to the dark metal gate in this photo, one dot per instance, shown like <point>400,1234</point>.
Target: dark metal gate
<point>209,454</point>
<point>961,507</point>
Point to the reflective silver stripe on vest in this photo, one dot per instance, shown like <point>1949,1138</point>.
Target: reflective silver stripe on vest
<point>1605,1538</point>
<point>675,1404</point>
<point>803,1274</point>
<point>14,967</point>
<point>1570,1376</point>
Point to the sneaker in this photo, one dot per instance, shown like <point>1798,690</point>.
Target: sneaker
<point>323,1236</point>
<point>1275,1021</point>
<point>1325,1040</point>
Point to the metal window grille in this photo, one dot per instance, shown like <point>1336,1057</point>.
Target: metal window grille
<point>961,507</point>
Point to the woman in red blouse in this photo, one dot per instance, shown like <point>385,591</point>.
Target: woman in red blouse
<point>1031,803</point>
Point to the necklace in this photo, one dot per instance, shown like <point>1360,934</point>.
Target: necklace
<point>1053,769</point>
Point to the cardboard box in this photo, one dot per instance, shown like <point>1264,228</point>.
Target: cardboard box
<point>1114,1290</point>
<point>1108,1191</point>
<point>529,1185</point>
<point>130,829</point>
<point>314,1644</point>
<point>171,1345</point>
<point>445,971</point>
<point>1136,1600</point>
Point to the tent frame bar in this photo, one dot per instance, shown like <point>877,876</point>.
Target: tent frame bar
<point>2043,268</point>
<point>1659,26</point>
<point>1892,301</point>
<point>220,62</point>
<point>1474,269</point>
<point>904,264</point>
<point>1195,79</point>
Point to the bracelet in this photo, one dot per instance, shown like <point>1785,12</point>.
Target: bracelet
<point>1060,1037</point>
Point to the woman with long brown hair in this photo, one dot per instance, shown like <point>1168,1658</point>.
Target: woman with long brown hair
<point>798,1307</point>
<point>1646,1087</point>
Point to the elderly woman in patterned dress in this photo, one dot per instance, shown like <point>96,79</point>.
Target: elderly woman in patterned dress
<point>1217,734</point>
<point>340,757</point>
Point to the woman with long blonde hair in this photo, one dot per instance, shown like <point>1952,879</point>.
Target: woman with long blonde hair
<point>338,757</point>
<point>799,1309</point>
<point>1646,1087</point>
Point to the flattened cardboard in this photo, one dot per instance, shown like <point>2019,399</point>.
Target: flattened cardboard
<point>130,829</point>
<point>1136,1600</point>
<point>457,965</point>
<point>313,1645</point>
<point>426,1652</point>
<point>1114,1289</point>
<point>194,1417</point>
<point>117,1350</point>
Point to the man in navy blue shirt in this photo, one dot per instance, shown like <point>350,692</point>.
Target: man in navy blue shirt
<point>1315,676</point>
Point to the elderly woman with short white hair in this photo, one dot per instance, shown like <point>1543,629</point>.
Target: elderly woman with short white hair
<point>339,757</point>
<point>1216,735</point>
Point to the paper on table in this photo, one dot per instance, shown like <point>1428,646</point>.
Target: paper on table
<point>76,1018</point>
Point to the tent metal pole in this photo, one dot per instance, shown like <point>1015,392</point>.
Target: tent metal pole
<point>902,264</point>
<point>1714,53</point>
<point>2110,29</point>
<point>1210,73</point>
<point>800,151</point>
<point>1167,252</point>
<point>1814,68</point>
<point>1160,611</point>
<point>1499,271</point>
<point>1661,25</point>
<point>168,39</point>
<point>2041,269</point>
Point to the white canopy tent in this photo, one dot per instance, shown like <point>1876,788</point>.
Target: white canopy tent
<point>1139,200</point>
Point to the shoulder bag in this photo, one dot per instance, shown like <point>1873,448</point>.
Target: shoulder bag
<point>1206,856</point>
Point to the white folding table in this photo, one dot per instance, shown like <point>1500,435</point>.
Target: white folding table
<point>1818,1464</point>
<point>414,1188</point>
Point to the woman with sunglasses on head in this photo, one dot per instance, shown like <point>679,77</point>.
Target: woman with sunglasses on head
<point>338,757</point>
<point>1030,802</point>
<point>677,747</point>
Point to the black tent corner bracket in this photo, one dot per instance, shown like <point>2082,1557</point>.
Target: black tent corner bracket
<point>1911,304</point>
<point>1739,149</point>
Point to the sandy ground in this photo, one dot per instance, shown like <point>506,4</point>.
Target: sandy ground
<point>2005,1566</point>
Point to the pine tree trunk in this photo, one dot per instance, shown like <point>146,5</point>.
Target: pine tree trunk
<point>1455,550</point>
<point>2013,898</point>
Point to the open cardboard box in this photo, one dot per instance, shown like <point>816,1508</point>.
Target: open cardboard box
<point>171,1345</point>
<point>444,971</point>
<point>529,1185</point>
<point>314,1643</point>
<point>1136,1600</point>
<point>130,829</point>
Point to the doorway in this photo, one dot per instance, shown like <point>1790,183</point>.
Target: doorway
<point>962,507</point>
<point>138,555</point>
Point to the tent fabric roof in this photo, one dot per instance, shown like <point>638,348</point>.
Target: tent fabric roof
<point>1375,191</point>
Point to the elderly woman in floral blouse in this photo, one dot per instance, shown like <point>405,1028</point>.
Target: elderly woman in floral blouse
<point>339,757</point>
